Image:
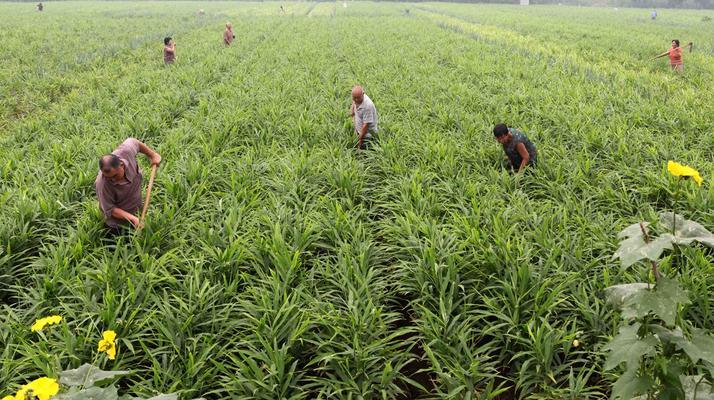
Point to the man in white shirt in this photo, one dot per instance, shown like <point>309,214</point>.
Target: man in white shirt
<point>364,115</point>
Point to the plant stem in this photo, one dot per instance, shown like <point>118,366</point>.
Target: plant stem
<point>647,240</point>
<point>696,387</point>
<point>674,208</point>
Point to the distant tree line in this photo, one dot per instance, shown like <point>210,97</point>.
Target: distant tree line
<point>587,3</point>
<point>602,3</point>
<point>634,3</point>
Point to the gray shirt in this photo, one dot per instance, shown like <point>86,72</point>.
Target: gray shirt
<point>126,194</point>
<point>366,113</point>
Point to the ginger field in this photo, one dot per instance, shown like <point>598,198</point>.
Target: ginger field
<point>278,262</point>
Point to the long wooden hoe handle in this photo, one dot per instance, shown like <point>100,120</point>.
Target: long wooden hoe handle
<point>148,193</point>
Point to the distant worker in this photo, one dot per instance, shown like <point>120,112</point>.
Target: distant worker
<point>282,10</point>
<point>169,50</point>
<point>364,116</point>
<point>118,184</point>
<point>520,151</point>
<point>40,7</point>
<point>228,35</point>
<point>654,15</point>
<point>675,55</point>
<point>201,13</point>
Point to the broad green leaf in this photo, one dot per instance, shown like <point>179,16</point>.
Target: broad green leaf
<point>687,231</point>
<point>87,375</point>
<point>92,393</point>
<point>667,335</point>
<point>634,248</point>
<point>618,294</point>
<point>629,385</point>
<point>696,383</point>
<point>632,230</point>
<point>701,347</point>
<point>663,301</point>
<point>629,348</point>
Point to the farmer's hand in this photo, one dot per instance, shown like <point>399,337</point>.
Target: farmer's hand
<point>135,221</point>
<point>156,159</point>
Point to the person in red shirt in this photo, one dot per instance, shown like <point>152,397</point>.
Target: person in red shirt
<point>169,50</point>
<point>228,35</point>
<point>675,55</point>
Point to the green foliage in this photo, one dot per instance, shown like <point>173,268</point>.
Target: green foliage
<point>87,375</point>
<point>277,262</point>
<point>658,356</point>
<point>636,246</point>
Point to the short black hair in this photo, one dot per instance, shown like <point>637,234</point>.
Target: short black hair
<point>114,161</point>
<point>676,41</point>
<point>167,39</point>
<point>500,130</point>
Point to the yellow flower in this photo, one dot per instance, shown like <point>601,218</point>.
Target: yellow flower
<point>42,389</point>
<point>108,345</point>
<point>8,398</point>
<point>576,343</point>
<point>42,322</point>
<point>684,171</point>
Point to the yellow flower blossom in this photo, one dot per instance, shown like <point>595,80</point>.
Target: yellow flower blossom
<point>108,345</point>
<point>42,322</point>
<point>8,398</point>
<point>42,389</point>
<point>684,171</point>
<point>576,343</point>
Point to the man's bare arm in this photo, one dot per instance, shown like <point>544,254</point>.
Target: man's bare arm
<point>153,156</point>
<point>525,157</point>
<point>118,213</point>
<point>362,134</point>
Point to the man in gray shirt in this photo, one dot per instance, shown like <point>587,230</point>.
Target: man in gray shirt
<point>118,183</point>
<point>364,115</point>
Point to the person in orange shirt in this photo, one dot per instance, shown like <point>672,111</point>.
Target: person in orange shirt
<point>675,55</point>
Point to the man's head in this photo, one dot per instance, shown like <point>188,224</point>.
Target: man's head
<point>675,43</point>
<point>502,134</point>
<point>357,94</point>
<point>112,168</point>
<point>229,25</point>
<point>167,40</point>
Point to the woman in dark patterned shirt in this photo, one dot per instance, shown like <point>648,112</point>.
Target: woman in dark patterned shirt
<point>521,152</point>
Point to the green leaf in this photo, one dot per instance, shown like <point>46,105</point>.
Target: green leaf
<point>618,294</point>
<point>629,385</point>
<point>632,230</point>
<point>634,248</point>
<point>701,347</point>
<point>696,383</point>
<point>629,348</point>
<point>92,393</point>
<point>87,375</point>
<point>171,396</point>
<point>687,231</point>
<point>663,301</point>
